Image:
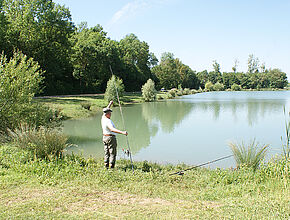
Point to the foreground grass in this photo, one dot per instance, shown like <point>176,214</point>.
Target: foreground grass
<point>76,188</point>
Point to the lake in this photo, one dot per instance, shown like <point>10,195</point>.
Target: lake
<point>191,129</point>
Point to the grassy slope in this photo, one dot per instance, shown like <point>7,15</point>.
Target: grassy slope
<point>71,106</point>
<point>75,188</point>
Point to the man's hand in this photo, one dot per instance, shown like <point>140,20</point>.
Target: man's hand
<point>125,133</point>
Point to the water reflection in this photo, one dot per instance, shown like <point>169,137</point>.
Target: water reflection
<point>161,131</point>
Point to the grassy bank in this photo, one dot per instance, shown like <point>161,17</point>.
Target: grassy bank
<point>85,105</point>
<point>76,188</point>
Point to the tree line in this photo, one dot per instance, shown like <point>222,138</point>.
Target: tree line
<point>76,58</point>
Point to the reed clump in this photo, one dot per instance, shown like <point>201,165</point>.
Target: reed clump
<point>43,142</point>
<point>286,146</point>
<point>250,155</point>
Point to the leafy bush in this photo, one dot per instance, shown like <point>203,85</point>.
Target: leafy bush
<point>250,156</point>
<point>112,85</point>
<point>20,79</point>
<point>86,105</point>
<point>209,86</point>
<point>43,142</point>
<point>172,93</point>
<point>149,91</point>
<point>236,87</point>
<point>218,87</point>
<point>159,97</point>
<point>179,92</point>
<point>169,96</point>
<point>186,91</point>
<point>194,91</point>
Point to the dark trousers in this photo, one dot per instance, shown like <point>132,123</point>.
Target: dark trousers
<point>110,148</point>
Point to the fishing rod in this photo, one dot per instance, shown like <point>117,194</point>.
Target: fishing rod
<point>129,150</point>
<point>181,172</point>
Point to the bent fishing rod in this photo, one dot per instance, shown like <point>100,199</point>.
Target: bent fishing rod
<point>130,155</point>
<point>181,172</point>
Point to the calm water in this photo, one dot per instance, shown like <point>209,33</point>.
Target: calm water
<point>192,129</point>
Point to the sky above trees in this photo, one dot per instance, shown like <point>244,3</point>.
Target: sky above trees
<point>197,31</point>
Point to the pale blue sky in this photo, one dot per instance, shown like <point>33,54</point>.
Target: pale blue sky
<point>197,31</point>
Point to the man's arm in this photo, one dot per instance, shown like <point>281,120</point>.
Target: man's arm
<point>118,131</point>
<point>109,105</point>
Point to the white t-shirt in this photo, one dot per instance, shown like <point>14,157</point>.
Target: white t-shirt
<point>106,124</point>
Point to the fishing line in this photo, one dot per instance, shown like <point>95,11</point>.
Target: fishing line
<point>122,116</point>
<point>181,172</point>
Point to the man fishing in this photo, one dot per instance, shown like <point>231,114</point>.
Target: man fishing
<point>109,137</point>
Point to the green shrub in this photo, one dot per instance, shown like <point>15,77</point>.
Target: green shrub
<point>250,156</point>
<point>194,91</point>
<point>43,142</point>
<point>186,91</point>
<point>209,86</point>
<point>159,97</point>
<point>86,105</point>
<point>112,85</point>
<point>172,93</point>
<point>20,79</point>
<point>236,87</point>
<point>169,95</point>
<point>218,87</point>
<point>149,91</point>
<point>179,92</point>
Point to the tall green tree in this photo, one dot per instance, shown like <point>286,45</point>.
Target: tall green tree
<point>277,78</point>
<point>203,78</point>
<point>3,29</point>
<point>234,68</point>
<point>188,78</point>
<point>137,61</point>
<point>215,76</point>
<point>229,78</point>
<point>253,64</point>
<point>92,54</point>
<point>41,29</point>
<point>167,71</point>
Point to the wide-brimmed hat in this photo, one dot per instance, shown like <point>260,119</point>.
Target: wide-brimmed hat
<point>105,110</point>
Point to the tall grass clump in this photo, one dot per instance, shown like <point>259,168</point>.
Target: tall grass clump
<point>44,143</point>
<point>149,91</point>
<point>250,156</point>
<point>285,146</point>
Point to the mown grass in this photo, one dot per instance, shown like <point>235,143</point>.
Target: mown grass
<point>78,188</point>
